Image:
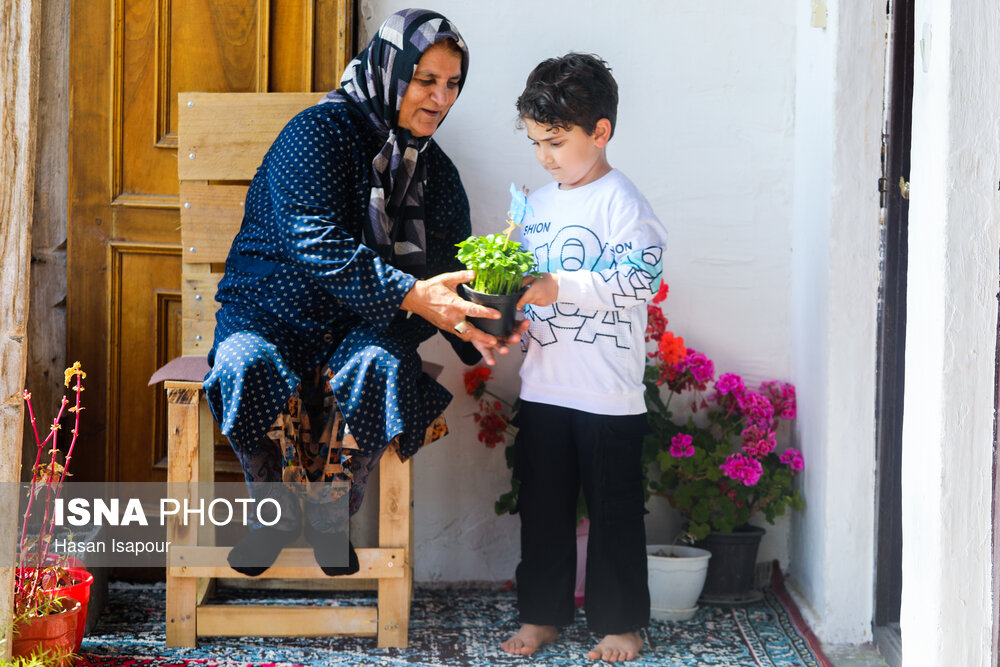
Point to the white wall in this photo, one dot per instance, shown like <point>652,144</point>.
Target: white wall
<point>706,131</point>
<point>951,335</point>
<point>838,135</point>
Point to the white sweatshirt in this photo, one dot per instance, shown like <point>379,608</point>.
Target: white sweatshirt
<point>587,351</point>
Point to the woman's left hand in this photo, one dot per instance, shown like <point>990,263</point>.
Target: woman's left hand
<point>500,346</point>
<point>436,300</point>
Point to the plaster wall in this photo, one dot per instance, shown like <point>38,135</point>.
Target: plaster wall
<point>839,91</point>
<point>706,131</point>
<point>812,220</point>
<point>951,336</point>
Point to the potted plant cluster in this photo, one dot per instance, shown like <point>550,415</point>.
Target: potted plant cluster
<point>717,459</point>
<point>676,572</point>
<point>51,592</point>
<point>501,266</point>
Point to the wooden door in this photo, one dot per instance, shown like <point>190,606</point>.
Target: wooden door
<point>128,61</point>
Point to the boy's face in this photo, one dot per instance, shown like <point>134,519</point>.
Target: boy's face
<point>572,156</point>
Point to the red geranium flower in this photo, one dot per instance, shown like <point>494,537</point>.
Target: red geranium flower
<point>476,379</point>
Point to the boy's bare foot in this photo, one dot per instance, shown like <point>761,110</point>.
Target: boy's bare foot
<point>530,638</point>
<point>617,648</point>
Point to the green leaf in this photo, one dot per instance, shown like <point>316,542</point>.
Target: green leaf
<point>500,265</point>
<point>508,454</point>
<point>726,506</point>
<point>699,531</point>
<point>507,502</point>
<point>701,511</point>
<point>725,524</point>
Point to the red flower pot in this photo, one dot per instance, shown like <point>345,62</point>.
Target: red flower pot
<point>55,634</point>
<point>79,590</point>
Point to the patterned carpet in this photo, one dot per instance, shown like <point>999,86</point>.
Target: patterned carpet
<point>447,627</point>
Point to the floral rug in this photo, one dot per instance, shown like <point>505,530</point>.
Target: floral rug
<point>448,626</point>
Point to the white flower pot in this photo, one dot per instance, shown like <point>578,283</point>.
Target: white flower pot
<point>676,577</point>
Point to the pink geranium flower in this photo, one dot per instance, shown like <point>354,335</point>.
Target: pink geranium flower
<point>694,371</point>
<point>742,468</point>
<point>681,446</point>
<point>728,390</point>
<point>729,383</point>
<point>782,397</point>
<point>758,441</point>
<point>756,408</point>
<point>793,458</point>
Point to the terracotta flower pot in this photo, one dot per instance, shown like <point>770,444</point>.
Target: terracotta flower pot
<point>505,303</point>
<point>55,634</point>
<point>78,590</point>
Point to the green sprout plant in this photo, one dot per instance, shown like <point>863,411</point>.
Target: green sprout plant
<point>500,264</point>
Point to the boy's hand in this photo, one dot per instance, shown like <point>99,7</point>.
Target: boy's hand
<point>542,291</point>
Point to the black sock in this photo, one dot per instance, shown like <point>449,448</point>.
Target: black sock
<point>259,547</point>
<point>326,548</point>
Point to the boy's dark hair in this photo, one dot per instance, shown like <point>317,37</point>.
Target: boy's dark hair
<point>576,89</point>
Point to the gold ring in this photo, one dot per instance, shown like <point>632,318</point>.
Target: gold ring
<point>461,327</point>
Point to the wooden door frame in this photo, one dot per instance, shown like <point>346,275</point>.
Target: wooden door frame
<point>892,318</point>
<point>20,36</point>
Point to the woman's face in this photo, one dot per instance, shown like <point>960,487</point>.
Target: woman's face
<point>431,92</point>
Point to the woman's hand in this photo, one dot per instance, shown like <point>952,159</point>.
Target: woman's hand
<point>436,300</point>
<point>501,346</point>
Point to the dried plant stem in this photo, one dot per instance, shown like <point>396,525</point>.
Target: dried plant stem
<point>28,594</point>
<point>38,459</point>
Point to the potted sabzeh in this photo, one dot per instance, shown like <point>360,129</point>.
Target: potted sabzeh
<point>501,265</point>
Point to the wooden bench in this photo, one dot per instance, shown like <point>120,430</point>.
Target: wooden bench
<point>222,138</point>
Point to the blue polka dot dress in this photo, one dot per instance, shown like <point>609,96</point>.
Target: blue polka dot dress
<point>301,291</point>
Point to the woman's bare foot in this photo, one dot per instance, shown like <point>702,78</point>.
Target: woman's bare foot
<point>617,648</point>
<point>530,638</point>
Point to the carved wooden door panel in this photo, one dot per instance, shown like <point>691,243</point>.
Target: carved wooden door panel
<point>128,61</point>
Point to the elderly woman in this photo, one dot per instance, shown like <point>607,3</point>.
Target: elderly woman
<point>344,264</point>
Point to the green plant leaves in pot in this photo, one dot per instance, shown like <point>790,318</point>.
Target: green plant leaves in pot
<point>500,265</point>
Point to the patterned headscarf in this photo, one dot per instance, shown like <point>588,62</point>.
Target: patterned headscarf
<point>376,81</point>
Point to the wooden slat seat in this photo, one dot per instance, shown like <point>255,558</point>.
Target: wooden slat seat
<point>222,138</point>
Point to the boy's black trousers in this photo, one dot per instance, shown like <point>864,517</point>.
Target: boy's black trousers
<point>557,452</point>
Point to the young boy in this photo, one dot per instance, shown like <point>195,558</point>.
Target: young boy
<point>582,416</point>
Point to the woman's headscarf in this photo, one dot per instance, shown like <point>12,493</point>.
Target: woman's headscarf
<point>376,81</point>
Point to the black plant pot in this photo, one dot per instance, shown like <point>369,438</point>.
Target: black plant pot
<point>505,303</point>
<point>731,568</point>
